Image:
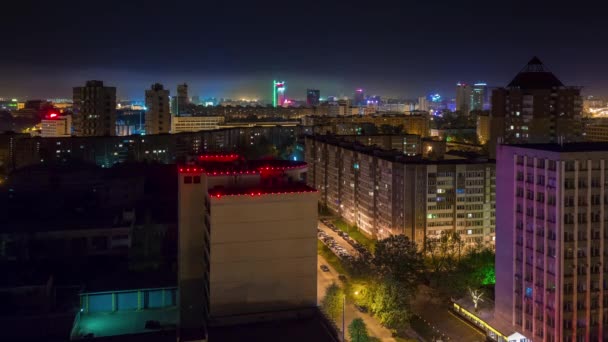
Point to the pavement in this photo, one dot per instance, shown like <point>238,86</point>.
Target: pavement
<point>436,313</point>
<point>350,249</point>
<point>324,279</point>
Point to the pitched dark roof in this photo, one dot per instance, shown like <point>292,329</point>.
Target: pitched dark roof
<point>535,75</point>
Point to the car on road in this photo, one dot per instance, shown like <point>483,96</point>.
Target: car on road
<point>361,308</point>
<point>324,268</point>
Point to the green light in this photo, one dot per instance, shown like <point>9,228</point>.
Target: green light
<point>274,93</point>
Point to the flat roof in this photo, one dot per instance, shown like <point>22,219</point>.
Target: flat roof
<point>257,190</point>
<point>395,155</point>
<point>566,147</point>
<point>212,164</point>
<point>130,326</point>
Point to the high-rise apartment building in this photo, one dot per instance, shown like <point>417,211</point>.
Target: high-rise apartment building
<point>158,115</point>
<point>313,97</point>
<point>478,96</point>
<point>179,104</point>
<point>463,98</point>
<point>247,239</point>
<point>551,255</point>
<point>423,104</point>
<point>94,109</point>
<point>483,128</point>
<point>535,107</point>
<point>386,193</point>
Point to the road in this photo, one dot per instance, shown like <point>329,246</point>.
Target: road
<point>437,314</point>
<point>325,279</point>
<point>339,240</point>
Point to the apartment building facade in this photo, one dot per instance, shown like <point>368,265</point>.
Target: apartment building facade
<point>386,193</point>
<point>551,259</point>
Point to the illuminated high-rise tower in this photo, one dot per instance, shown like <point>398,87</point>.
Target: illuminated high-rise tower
<point>278,93</point>
<point>359,97</point>
<point>478,96</point>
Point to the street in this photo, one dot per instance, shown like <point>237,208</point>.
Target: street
<point>325,279</point>
<point>438,315</point>
<point>424,305</point>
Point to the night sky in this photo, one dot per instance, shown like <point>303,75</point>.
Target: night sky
<point>235,49</point>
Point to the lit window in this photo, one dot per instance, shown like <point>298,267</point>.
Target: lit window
<point>469,231</point>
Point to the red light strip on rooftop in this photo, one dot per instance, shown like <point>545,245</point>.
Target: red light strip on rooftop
<point>219,157</point>
<point>254,194</point>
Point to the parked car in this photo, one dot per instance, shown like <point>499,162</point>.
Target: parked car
<point>324,268</point>
<point>361,308</point>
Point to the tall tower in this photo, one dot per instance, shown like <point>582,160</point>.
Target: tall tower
<point>158,116</point>
<point>359,97</point>
<point>180,103</point>
<point>478,96</point>
<point>278,93</point>
<point>312,97</point>
<point>463,98</point>
<point>94,109</point>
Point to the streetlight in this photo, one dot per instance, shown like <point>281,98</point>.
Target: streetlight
<point>343,314</point>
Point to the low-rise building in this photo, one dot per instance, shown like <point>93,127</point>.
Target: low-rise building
<point>56,126</point>
<point>247,239</point>
<point>181,124</point>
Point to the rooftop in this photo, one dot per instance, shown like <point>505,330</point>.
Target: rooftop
<point>567,147</point>
<point>275,189</point>
<point>130,326</point>
<point>229,164</point>
<point>535,75</point>
<point>395,155</point>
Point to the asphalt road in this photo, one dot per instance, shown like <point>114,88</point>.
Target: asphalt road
<point>324,279</point>
<point>436,313</point>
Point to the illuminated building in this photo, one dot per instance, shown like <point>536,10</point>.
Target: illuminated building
<point>312,97</point>
<point>56,126</point>
<point>158,116</point>
<point>423,104</point>
<point>247,239</point>
<point>181,124</point>
<point>483,128</point>
<point>359,99</point>
<point>94,109</point>
<point>596,131</point>
<point>130,121</point>
<point>416,123</point>
<point>551,257</point>
<point>278,93</point>
<point>385,192</point>
<point>463,98</point>
<point>478,96</point>
<point>535,107</point>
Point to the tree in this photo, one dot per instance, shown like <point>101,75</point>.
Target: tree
<point>332,303</point>
<point>444,253</point>
<point>398,258</point>
<point>358,331</point>
<point>390,303</point>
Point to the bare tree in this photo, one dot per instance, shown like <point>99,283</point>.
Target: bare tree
<point>476,296</point>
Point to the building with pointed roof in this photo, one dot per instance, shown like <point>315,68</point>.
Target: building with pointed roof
<point>535,107</point>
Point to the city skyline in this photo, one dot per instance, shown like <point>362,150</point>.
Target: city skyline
<point>220,59</point>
